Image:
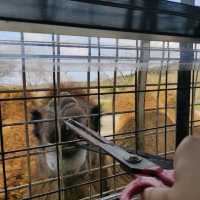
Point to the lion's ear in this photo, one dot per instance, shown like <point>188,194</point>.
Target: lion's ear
<point>36,115</point>
<point>95,117</point>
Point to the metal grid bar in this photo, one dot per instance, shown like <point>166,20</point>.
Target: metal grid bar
<point>192,101</point>
<point>88,112</point>
<point>165,133</point>
<point>93,46</point>
<point>157,131</point>
<point>3,157</point>
<point>99,108</point>
<point>80,116</point>
<point>55,92</point>
<point>158,96</point>
<point>26,115</point>
<point>78,95</point>
<point>186,16</point>
<point>183,96</point>
<point>121,136</point>
<point>114,108</point>
<point>183,115</point>
<point>193,93</point>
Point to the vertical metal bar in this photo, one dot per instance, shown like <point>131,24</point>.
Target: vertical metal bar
<point>58,104</point>
<point>135,97</point>
<point>88,100</point>
<point>114,105</point>
<point>3,157</point>
<point>99,105</point>
<point>141,85</point>
<point>136,111</point>
<point>26,113</point>
<point>168,59</point>
<point>58,63</point>
<point>194,84</point>
<point>137,51</point>
<point>55,116</point>
<point>183,91</point>
<point>195,90</point>
<point>166,96</point>
<point>158,97</point>
<point>196,69</point>
<point>192,102</point>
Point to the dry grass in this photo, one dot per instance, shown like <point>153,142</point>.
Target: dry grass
<point>14,137</point>
<point>154,141</point>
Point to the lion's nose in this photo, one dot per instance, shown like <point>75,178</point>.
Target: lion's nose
<point>68,102</point>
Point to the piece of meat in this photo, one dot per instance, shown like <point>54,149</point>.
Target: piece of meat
<point>138,185</point>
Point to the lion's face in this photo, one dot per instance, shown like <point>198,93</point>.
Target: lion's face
<point>55,131</point>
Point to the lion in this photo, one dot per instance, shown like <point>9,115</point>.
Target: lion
<point>126,138</point>
<point>75,165</point>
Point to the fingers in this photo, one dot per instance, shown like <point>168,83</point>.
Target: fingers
<point>167,177</point>
<point>138,185</point>
<point>155,194</point>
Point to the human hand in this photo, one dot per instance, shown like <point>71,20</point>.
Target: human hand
<point>187,175</point>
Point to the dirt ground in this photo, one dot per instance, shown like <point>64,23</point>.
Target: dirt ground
<point>15,138</point>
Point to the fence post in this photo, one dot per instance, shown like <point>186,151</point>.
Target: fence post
<point>183,91</point>
<point>140,101</point>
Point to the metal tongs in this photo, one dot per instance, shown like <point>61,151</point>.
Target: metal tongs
<point>133,163</point>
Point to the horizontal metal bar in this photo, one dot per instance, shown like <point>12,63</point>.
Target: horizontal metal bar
<point>78,185</point>
<point>8,90</point>
<point>140,5</point>
<point>49,56</point>
<point>93,46</point>
<point>4,89</point>
<point>114,196</point>
<point>158,18</point>
<point>61,189</point>
<point>18,123</point>
<point>67,30</point>
<point>14,188</point>
<point>78,95</point>
<point>118,136</point>
<point>38,182</point>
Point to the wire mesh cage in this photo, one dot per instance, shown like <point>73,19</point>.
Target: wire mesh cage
<point>126,90</point>
<point>141,93</point>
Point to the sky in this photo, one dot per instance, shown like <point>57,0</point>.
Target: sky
<point>40,70</point>
<point>35,50</point>
<point>197,2</point>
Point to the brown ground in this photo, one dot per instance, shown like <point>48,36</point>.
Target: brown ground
<point>154,142</point>
<point>14,137</point>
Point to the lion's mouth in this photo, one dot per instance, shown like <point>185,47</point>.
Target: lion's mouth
<point>73,158</point>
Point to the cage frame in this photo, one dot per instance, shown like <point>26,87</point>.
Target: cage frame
<point>149,20</point>
<point>39,15</point>
<point>13,21</point>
